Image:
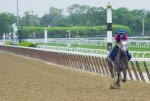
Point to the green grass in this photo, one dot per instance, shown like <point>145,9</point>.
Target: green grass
<point>141,55</point>
<point>94,47</point>
<point>76,46</point>
<point>139,49</point>
<point>140,38</point>
<point>88,46</point>
<point>148,65</point>
<point>53,44</point>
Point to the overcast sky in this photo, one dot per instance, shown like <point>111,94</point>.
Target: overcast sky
<point>40,7</point>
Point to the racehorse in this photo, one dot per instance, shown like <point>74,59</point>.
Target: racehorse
<point>119,65</point>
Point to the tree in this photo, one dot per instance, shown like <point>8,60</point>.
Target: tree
<point>96,16</point>
<point>78,15</point>
<point>132,19</point>
<point>54,18</point>
<point>29,19</point>
<point>147,24</point>
<point>122,16</point>
<point>45,20</point>
<point>6,20</point>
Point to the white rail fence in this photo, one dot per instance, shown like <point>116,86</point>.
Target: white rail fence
<point>90,62</point>
<point>87,41</point>
<point>135,54</point>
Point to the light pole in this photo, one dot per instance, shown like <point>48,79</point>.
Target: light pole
<point>109,26</point>
<point>143,25</point>
<point>17,13</point>
<point>30,17</point>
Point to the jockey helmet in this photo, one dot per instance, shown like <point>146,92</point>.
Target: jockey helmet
<point>121,31</point>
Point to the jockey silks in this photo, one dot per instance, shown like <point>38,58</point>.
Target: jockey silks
<point>117,37</point>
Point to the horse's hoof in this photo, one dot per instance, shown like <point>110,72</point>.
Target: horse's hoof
<point>111,86</point>
<point>124,80</point>
<point>114,86</point>
<point>118,85</point>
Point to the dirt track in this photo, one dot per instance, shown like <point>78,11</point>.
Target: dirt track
<point>23,79</point>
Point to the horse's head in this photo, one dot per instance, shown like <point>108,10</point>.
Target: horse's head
<point>124,46</point>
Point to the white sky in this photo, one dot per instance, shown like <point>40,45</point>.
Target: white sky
<point>40,7</point>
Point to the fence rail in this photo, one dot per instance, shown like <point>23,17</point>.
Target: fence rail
<point>96,63</point>
<point>93,41</point>
<point>87,41</point>
<point>135,54</point>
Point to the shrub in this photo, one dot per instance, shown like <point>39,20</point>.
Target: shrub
<point>8,43</point>
<point>27,44</point>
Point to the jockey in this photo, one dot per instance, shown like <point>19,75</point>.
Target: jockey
<point>121,35</point>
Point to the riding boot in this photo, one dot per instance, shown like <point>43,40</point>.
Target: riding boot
<point>113,53</point>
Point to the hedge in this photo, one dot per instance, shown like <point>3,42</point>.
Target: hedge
<point>27,44</point>
<point>8,43</point>
<point>62,32</point>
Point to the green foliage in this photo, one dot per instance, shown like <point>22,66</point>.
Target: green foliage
<point>117,27</point>
<point>54,18</point>
<point>27,44</point>
<point>6,19</point>
<point>62,32</point>
<point>79,15</point>
<point>8,43</point>
<point>147,24</point>
<point>30,20</point>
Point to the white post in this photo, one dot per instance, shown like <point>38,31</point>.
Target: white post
<point>14,32</point>
<point>34,36</point>
<point>78,38</point>
<point>4,38</point>
<point>45,37</point>
<point>9,36</point>
<point>109,27</point>
<point>69,40</point>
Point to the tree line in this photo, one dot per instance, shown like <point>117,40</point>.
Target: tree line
<point>80,15</point>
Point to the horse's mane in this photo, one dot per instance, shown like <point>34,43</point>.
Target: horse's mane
<point>118,58</point>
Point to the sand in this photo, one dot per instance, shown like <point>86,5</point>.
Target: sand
<point>24,79</point>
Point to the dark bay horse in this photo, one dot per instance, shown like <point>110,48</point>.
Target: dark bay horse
<point>119,65</point>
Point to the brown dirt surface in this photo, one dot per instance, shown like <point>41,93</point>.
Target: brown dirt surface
<point>24,79</point>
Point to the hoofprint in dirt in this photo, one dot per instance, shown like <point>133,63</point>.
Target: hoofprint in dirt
<point>23,79</point>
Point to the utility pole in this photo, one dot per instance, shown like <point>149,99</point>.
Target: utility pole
<point>17,13</point>
<point>143,25</point>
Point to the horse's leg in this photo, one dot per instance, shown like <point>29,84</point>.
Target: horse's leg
<point>118,79</point>
<point>111,68</point>
<point>115,84</point>
<point>124,72</point>
<point>111,71</point>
